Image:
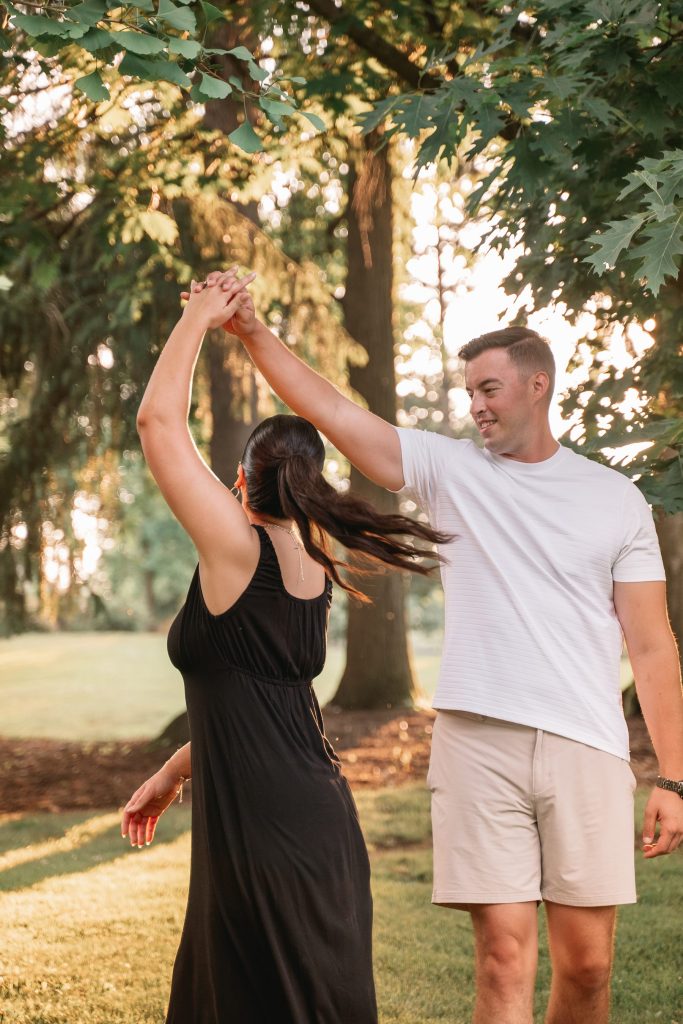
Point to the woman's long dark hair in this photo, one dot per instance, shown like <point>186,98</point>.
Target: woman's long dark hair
<point>283,462</point>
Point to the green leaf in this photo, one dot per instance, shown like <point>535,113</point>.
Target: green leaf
<point>139,42</point>
<point>153,70</point>
<point>211,13</point>
<point>600,109</point>
<point>171,72</point>
<point>416,111</point>
<point>241,53</point>
<point>664,431</point>
<point>660,255</point>
<point>256,73</point>
<point>246,138</point>
<point>298,80</point>
<point>76,31</point>
<point>213,88</point>
<point>97,39</point>
<point>93,87</point>
<point>488,122</point>
<point>380,112</point>
<point>316,121</point>
<point>178,17</point>
<point>35,25</point>
<point>612,241</point>
<point>189,48</point>
<point>88,13</point>
<point>276,110</point>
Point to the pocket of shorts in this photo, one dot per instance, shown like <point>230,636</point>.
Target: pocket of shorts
<point>634,780</point>
<point>473,716</point>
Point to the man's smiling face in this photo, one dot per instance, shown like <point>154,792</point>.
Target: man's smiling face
<point>501,401</point>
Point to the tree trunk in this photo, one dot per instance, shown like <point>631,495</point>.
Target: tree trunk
<point>378,670</point>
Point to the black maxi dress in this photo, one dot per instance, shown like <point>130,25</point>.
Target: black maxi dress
<point>279,913</point>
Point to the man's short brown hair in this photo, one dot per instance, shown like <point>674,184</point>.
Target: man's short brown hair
<point>526,349</point>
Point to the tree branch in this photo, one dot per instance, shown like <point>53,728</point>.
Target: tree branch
<point>387,55</point>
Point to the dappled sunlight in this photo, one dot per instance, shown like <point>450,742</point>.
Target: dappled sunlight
<point>84,848</point>
<point>79,947</point>
<point>75,837</point>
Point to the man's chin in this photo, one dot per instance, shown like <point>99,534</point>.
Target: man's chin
<point>492,444</point>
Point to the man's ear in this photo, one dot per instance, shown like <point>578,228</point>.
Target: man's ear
<point>540,384</point>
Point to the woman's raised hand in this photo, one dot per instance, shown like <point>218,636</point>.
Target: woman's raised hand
<point>222,301</point>
<point>147,804</point>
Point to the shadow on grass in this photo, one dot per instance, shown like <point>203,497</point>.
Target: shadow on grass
<point>37,847</point>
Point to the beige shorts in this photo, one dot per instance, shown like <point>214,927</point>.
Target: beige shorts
<point>519,814</point>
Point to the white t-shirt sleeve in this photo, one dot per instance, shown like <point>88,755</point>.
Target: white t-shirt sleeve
<point>419,456</point>
<point>640,558</point>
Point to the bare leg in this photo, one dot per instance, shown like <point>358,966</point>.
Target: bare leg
<point>581,948</point>
<point>506,942</point>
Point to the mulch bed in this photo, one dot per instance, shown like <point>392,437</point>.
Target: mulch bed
<point>377,748</point>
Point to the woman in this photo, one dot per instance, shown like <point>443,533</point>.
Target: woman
<point>279,913</point>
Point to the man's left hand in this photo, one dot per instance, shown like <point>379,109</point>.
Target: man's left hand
<point>665,809</point>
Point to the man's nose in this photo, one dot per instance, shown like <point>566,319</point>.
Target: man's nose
<point>477,405</point>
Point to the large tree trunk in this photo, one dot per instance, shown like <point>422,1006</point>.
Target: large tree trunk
<point>378,670</point>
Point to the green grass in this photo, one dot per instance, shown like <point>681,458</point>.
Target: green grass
<point>100,686</point>
<point>90,927</point>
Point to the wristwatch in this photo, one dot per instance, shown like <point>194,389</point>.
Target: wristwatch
<point>675,787</point>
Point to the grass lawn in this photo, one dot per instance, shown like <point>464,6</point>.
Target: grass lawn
<point>90,927</point>
<point>101,686</point>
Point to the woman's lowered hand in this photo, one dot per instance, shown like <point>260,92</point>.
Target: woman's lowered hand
<point>147,804</point>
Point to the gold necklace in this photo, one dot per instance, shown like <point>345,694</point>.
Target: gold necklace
<point>297,544</point>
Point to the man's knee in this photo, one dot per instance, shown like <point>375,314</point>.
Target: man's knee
<point>505,963</point>
<point>588,971</point>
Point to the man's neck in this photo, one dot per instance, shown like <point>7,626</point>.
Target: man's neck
<point>537,450</point>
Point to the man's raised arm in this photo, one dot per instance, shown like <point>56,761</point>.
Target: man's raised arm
<point>367,441</point>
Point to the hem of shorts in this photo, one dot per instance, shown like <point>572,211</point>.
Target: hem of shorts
<point>565,899</point>
<point>609,899</point>
<point>485,897</point>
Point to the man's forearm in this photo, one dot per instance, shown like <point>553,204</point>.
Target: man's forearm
<point>305,392</point>
<point>658,684</point>
<point>367,441</point>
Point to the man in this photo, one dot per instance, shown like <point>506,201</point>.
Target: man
<point>554,557</point>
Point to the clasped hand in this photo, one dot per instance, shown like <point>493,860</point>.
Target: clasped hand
<point>222,301</point>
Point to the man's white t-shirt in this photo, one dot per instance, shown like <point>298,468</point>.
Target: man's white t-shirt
<point>530,634</point>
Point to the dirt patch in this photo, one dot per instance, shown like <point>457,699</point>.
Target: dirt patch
<point>377,748</point>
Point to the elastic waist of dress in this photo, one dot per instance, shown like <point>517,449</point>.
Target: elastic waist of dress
<point>252,675</point>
